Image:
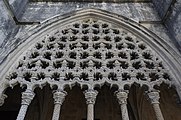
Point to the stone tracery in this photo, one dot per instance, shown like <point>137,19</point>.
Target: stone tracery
<point>90,52</point>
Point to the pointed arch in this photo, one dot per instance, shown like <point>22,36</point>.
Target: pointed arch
<point>170,57</point>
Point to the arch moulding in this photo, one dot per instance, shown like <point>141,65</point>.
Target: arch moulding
<point>157,63</point>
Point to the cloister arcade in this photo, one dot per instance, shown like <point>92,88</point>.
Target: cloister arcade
<point>93,66</point>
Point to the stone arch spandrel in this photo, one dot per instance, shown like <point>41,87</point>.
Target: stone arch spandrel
<point>116,26</point>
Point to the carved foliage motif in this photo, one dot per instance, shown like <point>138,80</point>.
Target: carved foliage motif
<point>90,96</point>
<point>154,97</point>
<point>27,97</point>
<point>122,97</point>
<point>91,51</point>
<point>59,97</point>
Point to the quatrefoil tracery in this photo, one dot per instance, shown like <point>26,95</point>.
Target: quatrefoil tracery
<point>91,51</point>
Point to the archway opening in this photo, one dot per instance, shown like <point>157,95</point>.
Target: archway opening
<point>74,107</point>
<point>138,101</point>
<point>10,108</point>
<point>41,107</point>
<point>106,106</point>
<point>170,103</point>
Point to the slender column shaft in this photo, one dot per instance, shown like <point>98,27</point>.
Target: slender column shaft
<point>22,112</point>
<point>59,97</point>
<point>122,96</point>
<point>27,97</point>
<point>90,96</point>
<point>154,99</point>
<point>90,112</point>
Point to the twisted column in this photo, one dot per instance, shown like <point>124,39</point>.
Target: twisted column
<point>59,97</point>
<point>122,96</point>
<point>2,98</point>
<point>154,99</point>
<point>27,97</point>
<point>90,96</point>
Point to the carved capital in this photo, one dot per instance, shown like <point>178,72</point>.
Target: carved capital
<point>122,96</point>
<point>90,96</point>
<point>27,97</point>
<point>2,98</point>
<point>59,96</point>
<point>154,97</point>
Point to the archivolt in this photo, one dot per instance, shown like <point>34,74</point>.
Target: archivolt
<point>91,51</point>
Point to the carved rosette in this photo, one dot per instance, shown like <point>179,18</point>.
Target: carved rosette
<point>2,98</point>
<point>90,96</point>
<point>154,97</point>
<point>27,97</point>
<point>122,96</point>
<point>59,96</point>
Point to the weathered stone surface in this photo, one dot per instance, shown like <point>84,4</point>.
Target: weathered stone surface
<point>173,18</point>
<point>134,11</point>
<point>43,11</point>
<point>18,6</point>
<point>162,6</point>
<point>173,22</point>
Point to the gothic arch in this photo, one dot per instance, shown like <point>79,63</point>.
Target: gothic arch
<point>89,52</point>
<point>90,48</point>
<point>136,35</point>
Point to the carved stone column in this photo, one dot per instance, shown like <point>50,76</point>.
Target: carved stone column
<point>2,98</point>
<point>59,97</point>
<point>90,96</point>
<point>27,97</point>
<point>154,99</point>
<point>122,96</point>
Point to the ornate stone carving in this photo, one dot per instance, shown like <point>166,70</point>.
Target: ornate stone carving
<point>90,96</point>
<point>154,97</point>
<point>59,96</point>
<point>122,96</point>
<point>2,98</point>
<point>90,52</point>
<point>27,97</point>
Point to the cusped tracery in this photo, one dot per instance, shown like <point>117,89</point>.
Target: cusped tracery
<point>91,52</point>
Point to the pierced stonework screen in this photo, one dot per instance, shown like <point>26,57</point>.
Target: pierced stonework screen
<point>91,52</point>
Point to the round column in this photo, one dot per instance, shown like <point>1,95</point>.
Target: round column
<point>90,96</point>
<point>59,97</point>
<point>122,96</point>
<point>27,97</point>
<point>154,99</point>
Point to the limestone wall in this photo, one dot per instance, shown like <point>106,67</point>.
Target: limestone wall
<point>135,11</point>
<point>173,23</point>
<point>173,20</point>
<point>162,6</point>
<point>7,29</point>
